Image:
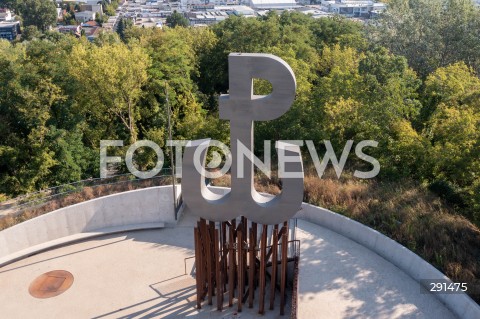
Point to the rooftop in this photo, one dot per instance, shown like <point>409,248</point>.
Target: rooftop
<point>9,23</point>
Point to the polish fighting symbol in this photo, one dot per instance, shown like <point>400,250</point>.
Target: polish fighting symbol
<point>241,107</point>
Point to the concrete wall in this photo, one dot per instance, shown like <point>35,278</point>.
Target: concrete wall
<point>138,209</point>
<point>417,268</point>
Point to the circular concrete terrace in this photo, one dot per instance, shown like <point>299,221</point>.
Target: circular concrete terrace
<point>141,274</point>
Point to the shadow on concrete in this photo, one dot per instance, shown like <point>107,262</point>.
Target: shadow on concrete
<point>169,238</point>
<point>177,304</point>
<point>334,268</point>
<point>62,255</point>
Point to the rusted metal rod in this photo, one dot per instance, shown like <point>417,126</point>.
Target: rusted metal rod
<point>240,267</point>
<point>218,274</point>
<point>283,279</point>
<point>231,269</point>
<point>273,279</point>
<point>251,270</point>
<point>198,268</point>
<point>263,252</point>
<point>228,257</point>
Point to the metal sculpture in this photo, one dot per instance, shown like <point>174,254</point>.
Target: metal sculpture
<point>241,108</point>
<point>232,257</point>
<point>232,262</point>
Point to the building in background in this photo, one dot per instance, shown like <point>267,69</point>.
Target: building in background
<point>273,4</point>
<point>97,8</point>
<point>84,16</point>
<point>9,30</point>
<point>355,8</point>
<point>6,15</point>
<point>206,17</point>
<point>75,30</point>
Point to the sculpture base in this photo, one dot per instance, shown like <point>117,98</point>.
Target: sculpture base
<point>234,259</point>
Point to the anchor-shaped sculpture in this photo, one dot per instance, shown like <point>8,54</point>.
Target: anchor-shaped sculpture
<point>241,107</point>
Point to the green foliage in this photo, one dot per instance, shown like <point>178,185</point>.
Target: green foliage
<point>456,84</point>
<point>109,93</point>
<point>100,19</point>
<point>109,7</point>
<point>26,99</point>
<point>9,4</point>
<point>60,95</point>
<point>39,13</point>
<point>177,19</point>
<point>173,66</point>
<point>454,131</point>
<point>123,26</point>
<point>431,33</point>
<point>72,157</point>
<point>30,32</point>
<point>369,96</point>
<point>337,30</point>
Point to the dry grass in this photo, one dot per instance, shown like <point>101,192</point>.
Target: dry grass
<point>85,194</point>
<point>262,184</point>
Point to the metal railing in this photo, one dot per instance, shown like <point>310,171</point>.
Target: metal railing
<point>112,184</point>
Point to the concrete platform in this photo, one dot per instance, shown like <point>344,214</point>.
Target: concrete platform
<point>141,275</point>
<point>138,274</point>
<point>339,278</point>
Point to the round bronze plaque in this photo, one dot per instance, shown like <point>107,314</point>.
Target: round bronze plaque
<point>51,284</point>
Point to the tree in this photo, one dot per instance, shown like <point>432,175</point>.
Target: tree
<point>337,30</point>
<point>453,129</point>
<point>173,66</point>
<point>117,73</point>
<point>99,19</point>
<point>177,19</point>
<point>121,29</point>
<point>9,4</point>
<point>26,99</point>
<point>109,7</point>
<point>430,33</point>
<point>367,96</point>
<point>30,32</point>
<point>123,26</point>
<point>40,13</point>
<point>456,84</point>
<point>72,158</point>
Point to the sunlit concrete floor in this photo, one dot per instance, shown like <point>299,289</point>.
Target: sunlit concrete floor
<point>141,275</point>
<point>339,278</point>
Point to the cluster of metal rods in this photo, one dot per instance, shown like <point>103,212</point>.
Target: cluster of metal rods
<point>231,261</point>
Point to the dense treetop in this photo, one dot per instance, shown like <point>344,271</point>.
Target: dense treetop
<point>407,80</point>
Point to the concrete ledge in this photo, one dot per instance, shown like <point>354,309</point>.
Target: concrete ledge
<point>409,262</point>
<point>73,239</point>
<point>152,205</point>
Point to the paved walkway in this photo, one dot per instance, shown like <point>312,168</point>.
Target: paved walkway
<point>141,275</point>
